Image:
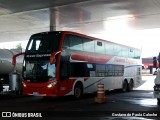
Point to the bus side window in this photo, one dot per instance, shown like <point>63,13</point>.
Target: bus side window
<point>99,47</point>
<point>109,49</point>
<point>137,54</point>
<point>66,43</point>
<point>117,50</point>
<point>75,43</point>
<point>79,70</point>
<point>124,52</point>
<point>88,45</point>
<point>131,53</point>
<point>100,70</point>
<point>111,69</point>
<point>119,70</point>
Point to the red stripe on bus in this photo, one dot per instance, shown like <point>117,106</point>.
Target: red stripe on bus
<point>91,57</point>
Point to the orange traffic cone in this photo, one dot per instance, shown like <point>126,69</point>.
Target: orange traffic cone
<point>100,94</point>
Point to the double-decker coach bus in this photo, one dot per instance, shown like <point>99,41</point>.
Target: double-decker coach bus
<point>61,63</point>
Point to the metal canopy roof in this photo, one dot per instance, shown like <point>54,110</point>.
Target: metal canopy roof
<point>21,18</point>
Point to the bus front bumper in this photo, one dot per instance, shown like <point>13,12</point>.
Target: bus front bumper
<point>40,89</point>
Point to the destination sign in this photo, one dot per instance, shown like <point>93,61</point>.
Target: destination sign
<point>38,55</point>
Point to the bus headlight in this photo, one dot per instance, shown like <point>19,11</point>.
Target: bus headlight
<point>52,84</point>
<point>24,85</point>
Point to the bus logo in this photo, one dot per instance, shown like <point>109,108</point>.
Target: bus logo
<point>6,114</point>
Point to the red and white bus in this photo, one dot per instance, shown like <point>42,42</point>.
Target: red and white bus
<point>61,63</point>
<point>150,65</point>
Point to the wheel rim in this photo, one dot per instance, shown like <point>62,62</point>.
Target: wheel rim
<point>77,92</point>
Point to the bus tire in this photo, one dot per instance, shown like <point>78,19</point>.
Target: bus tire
<point>130,85</point>
<point>1,86</point>
<point>125,85</point>
<point>158,101</point>
<point>155,73</point>
<point>78,90</point>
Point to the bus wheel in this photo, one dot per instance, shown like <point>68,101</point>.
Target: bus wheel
<point>155,73</point>
<point>78,91</point>
<point>1,86</point>
<point>158,101</point>
<point>124,88</point>
<point>130,85</point>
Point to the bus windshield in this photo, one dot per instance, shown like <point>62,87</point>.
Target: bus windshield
<point>38,71</point>
<point>44,42</point>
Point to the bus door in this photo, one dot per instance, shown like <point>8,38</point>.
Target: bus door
<point>64,87</point>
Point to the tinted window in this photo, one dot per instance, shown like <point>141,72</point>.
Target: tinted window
<point>149,60</point>
<point>124,52</point>
<point>103,70</point>
<point>84,44</point>
<point>65,43</point>
<point>88,45</point>
<point>119,69</point>
<point>131,53</point>
<point>137,54</point>
<point>109,48</point>
<point>117,50</point>
<point>79,70</point>
<point>99,47</point>
<point>110,70</point>
<point>44,42</point>
<point>75,42</point>
<point>100,70</point>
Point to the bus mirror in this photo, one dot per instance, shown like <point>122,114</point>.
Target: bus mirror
<point>52,57</point>
<point>15,56</point>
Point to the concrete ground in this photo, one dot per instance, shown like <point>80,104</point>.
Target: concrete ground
<point>136,105</point>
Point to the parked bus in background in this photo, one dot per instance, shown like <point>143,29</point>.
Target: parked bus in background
<point>150,65</point>
<point>61,63</point>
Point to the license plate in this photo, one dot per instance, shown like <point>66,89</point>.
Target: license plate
<point>35,93</point>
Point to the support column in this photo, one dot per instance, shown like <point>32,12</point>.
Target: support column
<point>54,19</point>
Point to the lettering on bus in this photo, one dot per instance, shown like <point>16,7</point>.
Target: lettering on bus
<point>38,55</point>
<point>131,61</point>
<point>121,60</point>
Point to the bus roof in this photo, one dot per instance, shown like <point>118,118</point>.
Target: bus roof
<point>86,36</point>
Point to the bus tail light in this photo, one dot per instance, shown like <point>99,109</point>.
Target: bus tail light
<point>52,84</point>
